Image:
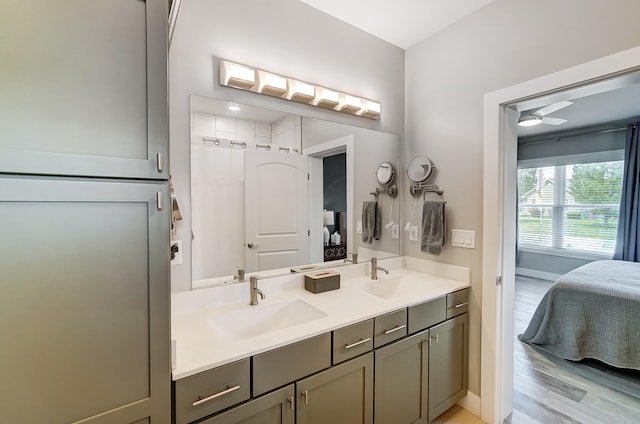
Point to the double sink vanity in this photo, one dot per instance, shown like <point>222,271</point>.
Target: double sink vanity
<point>391,350</point>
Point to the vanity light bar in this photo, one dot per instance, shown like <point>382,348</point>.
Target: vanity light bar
<point>234,75</point>
<point>264,82</point>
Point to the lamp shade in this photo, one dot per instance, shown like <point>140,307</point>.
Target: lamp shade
<point>327,217</point>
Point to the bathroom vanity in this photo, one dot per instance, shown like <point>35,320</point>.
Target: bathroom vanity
<point>399,343</point>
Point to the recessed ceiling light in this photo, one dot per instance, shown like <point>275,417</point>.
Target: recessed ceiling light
<point>234,108</point>
<point>530,121</point>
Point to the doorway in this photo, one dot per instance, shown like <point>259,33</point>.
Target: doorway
<point>502,108</point>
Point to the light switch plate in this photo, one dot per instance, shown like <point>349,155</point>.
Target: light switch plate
<point>413,233</point>
<point>359,227</point>
<point>395,231</point>
<point>463,238</point>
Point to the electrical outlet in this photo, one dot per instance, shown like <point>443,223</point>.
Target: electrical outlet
<point>176,252</point>
<point>395,231</point>
<point>359,227</point>
<point>413,233</point>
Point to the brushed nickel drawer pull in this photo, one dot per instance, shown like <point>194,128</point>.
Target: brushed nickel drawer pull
<point>215,395</point>
<point>393,330</point>
<point>305,394</point>
<point>291,401</point>
<point>460,305</point>
<point>358,343</point>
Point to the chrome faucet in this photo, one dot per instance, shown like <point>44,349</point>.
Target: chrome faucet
<point>240,275</point>
<point>354,258</point>
<point>254,291</point>
<point>375,268</point>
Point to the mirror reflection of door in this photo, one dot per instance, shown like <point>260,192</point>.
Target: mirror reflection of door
<point>276,225</point>
<point>335,200</point>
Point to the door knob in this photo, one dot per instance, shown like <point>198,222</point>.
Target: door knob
<point>252,245</point>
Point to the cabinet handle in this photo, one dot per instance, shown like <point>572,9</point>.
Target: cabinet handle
<point>460,305</point>
<point>393,330</point>
<point>436,338</point>
<point>358,343</point>
<point>228,390</point>
<point>159,200</point>
<point>160,165</point>
<point>291,401</point>
<point>305,395</point>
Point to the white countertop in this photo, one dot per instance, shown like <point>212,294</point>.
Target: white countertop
<point>198,317</point>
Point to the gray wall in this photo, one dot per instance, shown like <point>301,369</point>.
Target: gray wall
<point>447,76</point>
<point>283,36</point>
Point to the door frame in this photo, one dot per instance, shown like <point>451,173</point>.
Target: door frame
<point>315,154</point>
<point>500,147</point>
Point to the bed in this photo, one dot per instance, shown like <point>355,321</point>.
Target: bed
<point>591,312</point>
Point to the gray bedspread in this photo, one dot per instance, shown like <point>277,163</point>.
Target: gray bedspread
<point>591,312</point>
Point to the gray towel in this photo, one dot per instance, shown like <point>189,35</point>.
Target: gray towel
<point>433,226</point>
<point>371,222</point>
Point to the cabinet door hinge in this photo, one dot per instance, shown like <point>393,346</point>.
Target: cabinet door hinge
<point>159,200</point>
<point>499,280</point>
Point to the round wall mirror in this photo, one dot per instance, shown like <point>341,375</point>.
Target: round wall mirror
<point>385,173</point>
<point>419,169</point>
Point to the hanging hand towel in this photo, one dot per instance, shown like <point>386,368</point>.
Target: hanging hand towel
<point>370,222</point>
<point>433,226</point>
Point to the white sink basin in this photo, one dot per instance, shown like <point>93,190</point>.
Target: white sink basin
<point>263,318</point>
<point>389,287</point>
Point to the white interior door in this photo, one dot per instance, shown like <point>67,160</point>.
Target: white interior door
<point>276,226</point>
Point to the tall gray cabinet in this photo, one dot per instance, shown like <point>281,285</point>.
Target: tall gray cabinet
<point>84,286</point>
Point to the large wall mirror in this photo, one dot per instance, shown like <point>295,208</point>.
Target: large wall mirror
<point>266,186</point>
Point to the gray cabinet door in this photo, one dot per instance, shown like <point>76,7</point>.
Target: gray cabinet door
<point>84,87</point>
<point>448,364</point>
<point>342,394</point>
<point>84,301</point>
<point>401,381</point>
<point>274,408</point>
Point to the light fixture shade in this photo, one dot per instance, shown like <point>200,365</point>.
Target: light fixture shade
<point>234,75</point>
<point>301,91</point>
<point>351,104</point>
<point>327,98</point>
<point>530,121</point>
<point>271,84</point>
<point>327,217</point>
<point>371,109</point>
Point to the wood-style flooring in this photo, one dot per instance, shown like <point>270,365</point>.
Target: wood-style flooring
<point>550,390</point>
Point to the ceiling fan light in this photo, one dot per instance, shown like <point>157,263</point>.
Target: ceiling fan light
<point>530,121</point>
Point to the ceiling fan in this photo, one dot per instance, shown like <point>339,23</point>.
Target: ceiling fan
<point>539,116</point>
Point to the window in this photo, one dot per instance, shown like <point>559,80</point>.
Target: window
<point>570,207</point>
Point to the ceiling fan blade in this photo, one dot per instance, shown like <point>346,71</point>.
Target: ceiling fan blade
<point>553,107</point>
<point>553,121</point>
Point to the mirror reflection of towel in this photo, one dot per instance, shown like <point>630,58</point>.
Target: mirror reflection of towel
<point>371,222</point>
<point>433,226</point>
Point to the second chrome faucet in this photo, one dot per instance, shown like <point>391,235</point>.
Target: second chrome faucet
<point>375,268</point>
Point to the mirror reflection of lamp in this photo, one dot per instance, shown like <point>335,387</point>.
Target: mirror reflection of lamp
<point>327,219</point>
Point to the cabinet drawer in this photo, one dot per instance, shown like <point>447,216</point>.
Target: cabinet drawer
<point>389,327</point>
<point>351,341</point>
<point>276,407</point>
<point>457,303</point>
<point>427,314</point>
<point>211,391</point>
<point>286,364</point>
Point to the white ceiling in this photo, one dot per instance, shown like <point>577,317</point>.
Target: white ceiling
<point>403,23</point>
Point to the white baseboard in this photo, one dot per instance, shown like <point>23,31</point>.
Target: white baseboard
<point>526,272</point>
<point>471,403</point>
